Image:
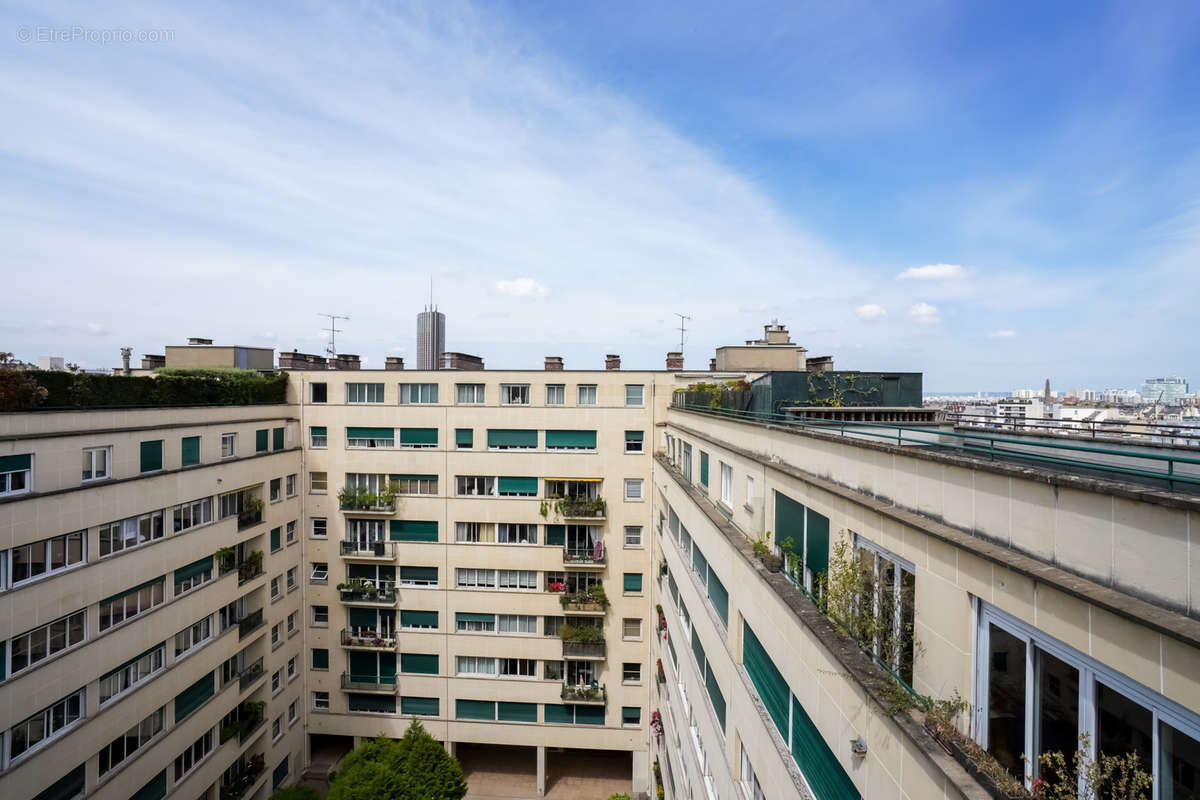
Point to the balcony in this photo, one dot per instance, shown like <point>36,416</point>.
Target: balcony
<point>367,639</point>
<point>584,651</point>
<point>250,623</point>
<point>586,557</point>
<point>360,501</point>
<point>351,548</point>
<point>590,602</point>
<point>247,774</point>
<point>383,684</point>
<point>581,508</point>
<point>249,517</point>
<point>364,594</point>
<point>251,567</point>
<point>584,694</point>
<point>250,717</point>
<point>582,641</point>
<point>249,675</point>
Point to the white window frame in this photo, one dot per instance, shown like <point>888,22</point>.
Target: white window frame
<point>193,637</point>
<point>319,524</point>
<point>45,634</point>
<point>414,583</point>
<point>636,540</point>
<point>47,546</point>
<point>132,532</point>
<point>625,671</point>
<point>516,624</point>
<point>641,394</point>
<point>89,458</point>
<point>479,483</point>
<point>289,536</point>
<point>561,390</point>
<point>188,584</point>
<point>318,486</point>
<point>726,484</point>
<point>514,394</point>
<point>319,572</point>
<point>290,485</point>
<point>473,578</point>
<point>320,701</point>
<point>470,394</point>
<point>634,484</point>
<point>195,514</point>
<point>133,740</point>
<point>365,392</point>
<point>518,674</point>
<point>195,754</point>
<point>635,447</point>
<point>228,445</point>
<point>632,636</point>
<point>290,581</point>
<point>133,674</point>
<point>749,491</point>
<point>475,666</point>
<point>426,394</point>
<point>47,718</point>
<point>587,394</point>
<point>318,441</point>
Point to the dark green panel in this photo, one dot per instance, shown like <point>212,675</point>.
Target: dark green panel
<point>364,666</point>
<point>633,581</point>
<point>370,433</point>
<point>700,564</point>
<point>189,451</point>
<point>280,773</point>
<point>556,534</point>
<point>422,618</point>
<point>363,617</point>
<point>425,436</point>
<point>464,437</point>
<point>560,714</point>
<point>817,555</point>
<point>387,668</point>
<point>260,440</point>
<point>789,520</point>
<point>151,456</point>
<point>475,709</point>
<point>155,789</point>
<point>715,695</point>
<point>277,439</point>
<point>193,697</point>
<point>420,706</point>
<point>469,616</point>
<point>500,437</point>
<point>719,596</point>
<point>275,545</point>
<point>385,703</point>
<point>589,715</point>
<point>422,663</point>
<point>578,439</point>
<point>517,712</point>
<point>320,658</point>
<point>418,573</point>
<point>412,530</point>
<point>634,436</point>
<point>15,463</point>
<point>517,485</point>
<point>317,430</point>
<point>703,468</point>
<point>772,688</point>
<point>403,477</point>
<point>192,570</point>
<point>817,762</point>
<point>698,651</point>
<point>631,715</point>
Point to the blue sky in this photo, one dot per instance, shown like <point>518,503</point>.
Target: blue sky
<point>992,194</point>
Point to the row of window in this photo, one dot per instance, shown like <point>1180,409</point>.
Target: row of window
<point>485,710</point>
<point>464,485</point>
<point>362,438</point>
<point>679,453</point>
<point>510,394</point>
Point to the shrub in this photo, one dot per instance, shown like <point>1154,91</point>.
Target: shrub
<point>295,792</point>
<point>415,768</point>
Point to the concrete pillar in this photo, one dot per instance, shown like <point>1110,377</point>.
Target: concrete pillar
<point>449,745</point>
<point>642,780</point>
<point>541,770</point>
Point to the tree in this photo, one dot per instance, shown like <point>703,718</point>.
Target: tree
<point>416,767</point>
<point>295,792</point>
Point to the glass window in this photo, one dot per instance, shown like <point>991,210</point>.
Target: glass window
<point>556,394</point>
<point>634,394</point>
<point>320,701</point>
<point>633,535</point>
<point>364,392</point>
<point>44,641</point>
<point>514,394</point>
<point>631,672</point>
<point>319,527</point>
<point>631,628</point>
<point>418,393</point>
<point>319,436</point>
<point>1123,726</point>
<point>46,557</point>
<point>320,572</point>
<point>470,393</point>
<point>726,484</point>
<point>1006,700</point>
<point>95,463</point>
<point>320,392</point>
<point>587,394</point>
<point>318,482</point>
<point>290,486</point>
<point>1179,770</point>
<point>228,445</point>
<point>633,488</point>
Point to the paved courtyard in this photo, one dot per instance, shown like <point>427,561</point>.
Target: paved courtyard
<point>510,773</point>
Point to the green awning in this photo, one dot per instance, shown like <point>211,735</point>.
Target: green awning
<point>772,688</point>
<point>363,617</point>
<point>317,430</point>
<point>418,574</point>
<point>370,433</point>
<point>136,658</point>
<point>464,437</point>
<point>419,619</point>
<point>15,463</point>
<point>515,485</point>
<point>396,477</point>
<point>412,530</point>
<point>421,663</point>
<point>517,712</point>
<point>418,436</point>
<point>194,696</point>
<point>193,570</point>
<point>501,437</point>
<point>633,436</point>
<point>475,709</point>
<point>384,703</point>
<point>419,706</point>
<point>821,769</point>
<point>576,439</point>
<point>719,596</point>
<point>470,616</point>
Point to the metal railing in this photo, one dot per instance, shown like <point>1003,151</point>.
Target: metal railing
<point>1130,430</point>
<point>572,693</point>
<point>355,549</point>
<point>368,683</point>
<point>250,674</point>
<point>584,556</point>
<point>370,639</point>
<point>583,649</point>
<point>250,623</point>
<point>1173,470</point>
<point>384,594</point>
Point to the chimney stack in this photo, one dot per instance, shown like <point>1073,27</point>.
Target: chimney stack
<point>198,340</point>
<point>612,361</point>
<point>347,361</point>
<point>554,364</point>
<point>152,361</point>
<point>126,352</point>
<point>393,363</point>
<point>712,364</point>
<point>674,360</point>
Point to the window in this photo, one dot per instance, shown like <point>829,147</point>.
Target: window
<point>703,468</point>
<point>193,636</point>
<point>276,681</point>
<point>890,586</point>
<point>190,515</point>
<point>631,715</point>
<point>418,576</point>
<point>475,665</point>
<point>261,440</point>
<point>517,667</point>
<point>291,622</point>
<point>570,440</point>
<point>277,437</point>
<point>750,785</point>
<point>188,759</point>
<point>318,482</point>
<point>318,436</point>
<point>30,561</point>
<point>291,712</point>
<point>631,672</point>
<point>517,579</point>
<point>631,628</point>
<point>320,701</point>
<point>419,706</point>
<point>414,438</point>
<point>364,392</point>
<point>464,438</point>
<point>634,442</point>
<point>277,727</point>
<point>320,658</point>
<point>556,394</point>
<point>190,576</point>
<point>290,532</point>
<point>476,578</point>
<point>291,578</point>
<point>633,583</point>
<point>115,610</point>
<point>504,439</point>
<point>44,641</point>
<point>470,394</point>
<point>419,620</point>
<point>474,532</point>
<point>634,394</point>
<point>516,623</point>
<point>132,740</point>
<point>416,484</point>
<point>96,460</point>
<point>47,724</point>
<point>290,485</point>
<point>586,395</point>
<point>749,490</point>
<point>726,484</point>
<point>633,535</point>
<point>320,528</point>
<point>319,573</point>
<point>371,438</point>
<point>513,486</point>
<point>132,532</point>
<point>319,392</point>
<point>514,394</point>
<point>474,485</point>
<point>276,540</point>
<point>15,474</point>
<point>275,588</point>
<point>228,445</point>
<point>419,393</point>
<point>633,488</point>
<point>686,464</point>
<point>276,490</point>
<point>320,616</point>
<point>516,533</point>
<point>291,668</point>
<point>467,622</point>
<point>151,453</point>
<point>130,674</point>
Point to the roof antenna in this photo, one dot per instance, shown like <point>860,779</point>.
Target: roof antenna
<point>333,331</point>
<point>683,320</point>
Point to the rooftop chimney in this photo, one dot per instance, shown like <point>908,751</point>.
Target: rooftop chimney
<point>712,364</point>
<point>393,363</point>
<point>612,361</point>
<point>153,362</point>
<point>126,352</point>
<point>194,340</point>
<point>674,360</point>
<point>347,361</point>
<point>554,364</point>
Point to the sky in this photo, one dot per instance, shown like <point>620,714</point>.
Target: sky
<point>992,194</point>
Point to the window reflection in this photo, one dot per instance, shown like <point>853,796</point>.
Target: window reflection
<point>1006,700</point>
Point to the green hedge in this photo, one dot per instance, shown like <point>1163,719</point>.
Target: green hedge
<point>201,387</point>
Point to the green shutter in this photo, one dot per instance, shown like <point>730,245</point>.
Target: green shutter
<point>514,485</point>
<point>633,581</point>
<point>131,590</point>
<point>634,436</point>
<point>631,715</point>
<point>15,463</point>
<point>464,437</point>
<point>411,530</point>
<point>703,468</point>
<point>385,703</point>
<point>719,596</point>
<point>558,714</point>
<point>193,697</point>
<point>789,521</point>
<point>260,440</point>
<point>714,695</point>
<point>425,436</point>
<point>422,663</point>
<point>474,709</point>
<point>189,451</point>
<point>517,712</point>
<point>419,706</point>
<point>817,762</point>
<point>410,619</point>
<point>501,437</point>
<point>279,775</point>
<point>370,433</point>
<point>698,651</point>
<point>772,688</point>
<point>364,667</point>
<point>320,658</point>
<point>580,439</point>
<point>387,668</point>
<point>277,439</point>
<point>3,661</point>
<point>318,430</point>
<point>193,569</point>
<point>363,617</point>
<point>155,789</point>
<point>275,545</point>
<point>151,453</point>
<point>469,616</point>
<point>816,557</point>
<point>418,574</point>
<point>556,534</point>
<point>700,565</point>
<point>589,715</point>
<point>400,477</point>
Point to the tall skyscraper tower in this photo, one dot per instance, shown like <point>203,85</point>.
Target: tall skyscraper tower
<point>431,338</point>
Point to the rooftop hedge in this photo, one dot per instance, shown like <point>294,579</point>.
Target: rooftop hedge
<point>56,390</point>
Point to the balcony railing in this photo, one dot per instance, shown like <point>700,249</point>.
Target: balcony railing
<point>363,502</point>
<point>360,637</point>
<point>368,683</point>
<point>251,567</point>
<point>592,508</point>
<point>585,694</point>
<point>585,556</point>
<point>355,549</point>
<point>250,674</point>
<point>248,519</point>
<point>584,650</point>
<point>382,596</point>
<point>246,776</point>
<point>250,623</point>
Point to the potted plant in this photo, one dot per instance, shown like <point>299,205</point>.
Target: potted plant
<point>254,504</point>
<point>226,557</point>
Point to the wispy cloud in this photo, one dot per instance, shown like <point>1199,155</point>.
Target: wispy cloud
<point>933,272</point>
<point>1002,334</point>
<point>870,311</point>
<point>924,314</point>
<point>521,287</point>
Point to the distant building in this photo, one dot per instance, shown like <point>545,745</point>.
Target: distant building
<point>431,338</point>
<point>52,363</point>
<point>1171,390</point>
<point>461,361</point>
<point>774,352</point>
<point>198,353</point>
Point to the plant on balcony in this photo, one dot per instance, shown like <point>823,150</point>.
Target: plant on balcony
<point>387,495</point>
<point>583,691</point>
<point>356,586</point>
<point>662,675</point>
<point>576,507</point>
<point>251,566</point>
<point>581,634</point>
<point>226,559</point>
<point>592,596</point>
<point>762,549</point>
<point>556,586</point>
<point>254,505</point>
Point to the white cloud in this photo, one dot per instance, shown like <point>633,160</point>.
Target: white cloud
<point>924,314</point>
<point>1004,334</point>
<point>869,311</point>
<point>933,272</point>
<point>521,287</point>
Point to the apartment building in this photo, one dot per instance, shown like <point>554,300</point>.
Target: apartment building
<point>1056,595</point>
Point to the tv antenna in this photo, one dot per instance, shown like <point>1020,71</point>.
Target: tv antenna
<point>333,330</point>
<point>683,320</point>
